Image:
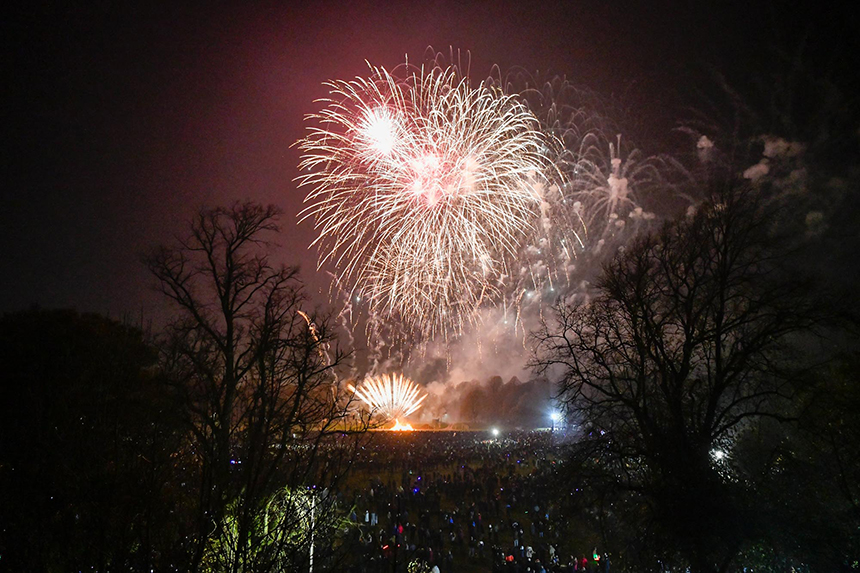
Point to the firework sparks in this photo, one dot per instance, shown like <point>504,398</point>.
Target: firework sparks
<point>400,427</point>
<point>393,397</point>
<point>422,191</point>
<point>607,186</point>
<point>602,202</point>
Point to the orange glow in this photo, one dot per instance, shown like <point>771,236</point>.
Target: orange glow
<point>398,427</point>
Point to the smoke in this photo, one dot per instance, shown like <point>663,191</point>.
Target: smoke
<point>489,402</point>
<point>596,196</point>
<point>483,378</point>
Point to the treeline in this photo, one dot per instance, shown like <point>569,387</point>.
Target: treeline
<point>215,446</point>
<point>712,390</point>
<point>712,367</point>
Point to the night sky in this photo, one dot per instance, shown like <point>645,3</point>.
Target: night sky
<point>124,118</point>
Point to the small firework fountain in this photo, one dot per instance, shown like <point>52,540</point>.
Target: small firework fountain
<point>391,397</point>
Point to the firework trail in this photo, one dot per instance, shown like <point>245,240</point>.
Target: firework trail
<point>608,181</point>
<point>423,189</point>
<point>609,192</point>
<point>392,397</point>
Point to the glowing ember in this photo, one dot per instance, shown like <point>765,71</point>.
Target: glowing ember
<point>398,427</point>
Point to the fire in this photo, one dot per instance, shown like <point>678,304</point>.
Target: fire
<point>398,427</point>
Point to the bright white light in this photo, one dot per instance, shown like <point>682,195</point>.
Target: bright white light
<point>393,396</point>
<point>495,432</point>
<point>555,416</point>
<point>379,131</point>
<point>718,454</point>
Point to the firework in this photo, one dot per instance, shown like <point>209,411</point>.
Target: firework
<point>423,189</point>
<point>401,427</point>
<point>392,397</point>
<point>610,183</point>
<point>604,199</point>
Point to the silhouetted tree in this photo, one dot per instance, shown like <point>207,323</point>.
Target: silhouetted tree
<point>86,438</point>
<point>682,346</point>
<point>806,475</point>
<point>257,376</point>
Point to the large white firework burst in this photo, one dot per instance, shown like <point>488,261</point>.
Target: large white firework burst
<point>423,188</point>
<point>390,396</point>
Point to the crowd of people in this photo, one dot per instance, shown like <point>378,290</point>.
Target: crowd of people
<point>459,501</point>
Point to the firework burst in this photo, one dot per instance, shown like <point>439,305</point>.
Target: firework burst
<point>423,188</point>
<point>392,397</point>
<point>605,197</point>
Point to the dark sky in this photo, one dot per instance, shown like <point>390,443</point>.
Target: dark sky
<point>126,117</point>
